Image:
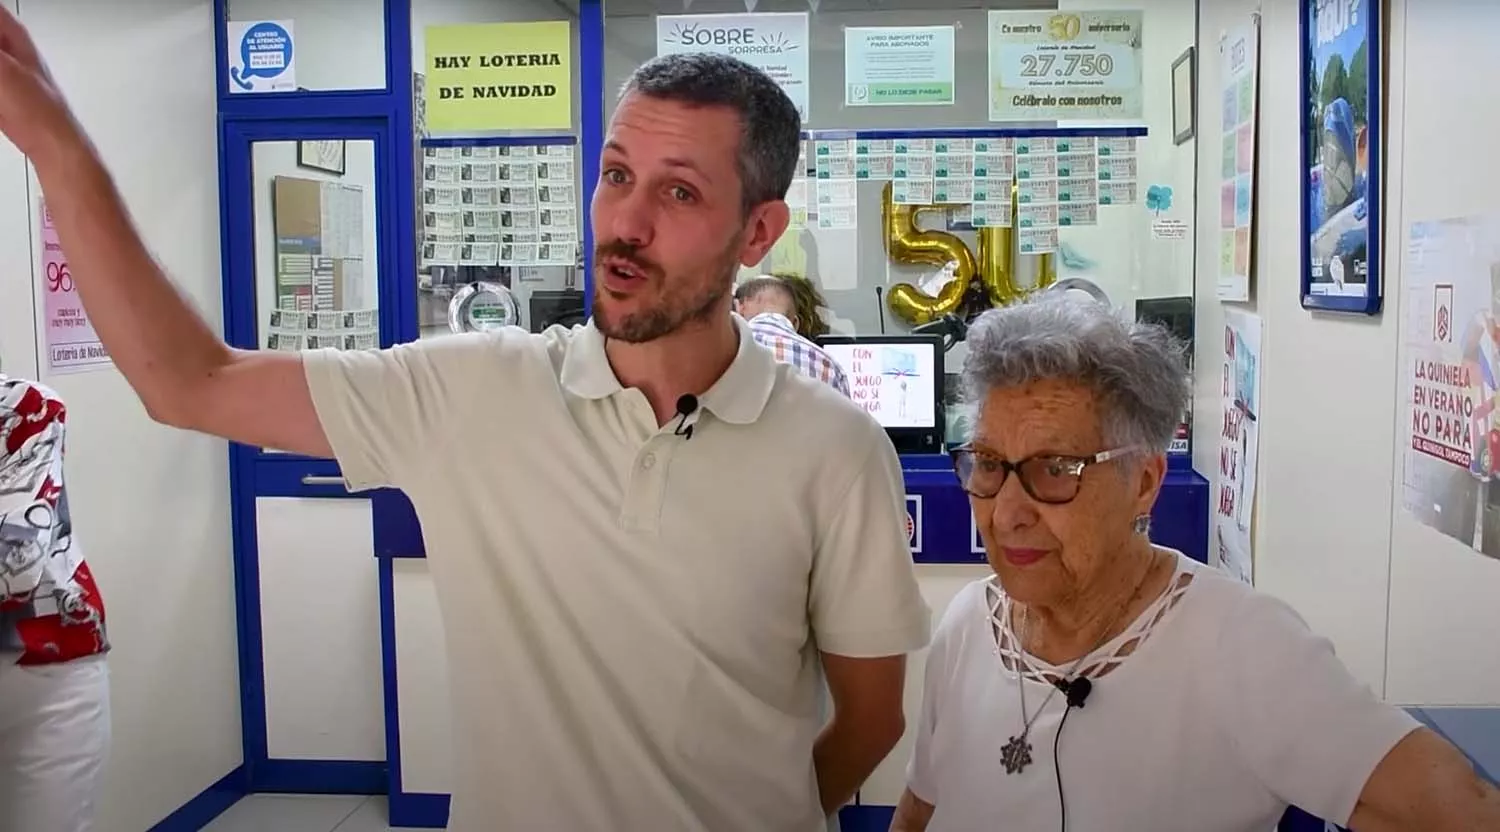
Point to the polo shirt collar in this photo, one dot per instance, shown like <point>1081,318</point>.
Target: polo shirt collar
<point>738,397</point>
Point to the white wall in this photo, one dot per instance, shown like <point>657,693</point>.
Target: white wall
<point>1443,610</point>
<point>1321,538</point>
<point>151,504</point>
<point>1411,612</point>
<point>320,629</point>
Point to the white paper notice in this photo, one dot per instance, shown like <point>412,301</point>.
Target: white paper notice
<point>775,43</point>
<point>898,65</point>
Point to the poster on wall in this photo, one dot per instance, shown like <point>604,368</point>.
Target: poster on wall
<point>261,57</point>
<point>1233,495</point>
<point>776,43</point>
<point>71,344</point>
<point>1341,153</point>
<point>1450,366</point>
<point>898,65</point>
<point>1239,60</point>
<point>499,76</point>
<point>1047,65</point>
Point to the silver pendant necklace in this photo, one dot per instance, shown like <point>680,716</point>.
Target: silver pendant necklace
<point>1015,755</point>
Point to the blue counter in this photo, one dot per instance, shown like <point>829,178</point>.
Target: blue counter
<point>939,520</point>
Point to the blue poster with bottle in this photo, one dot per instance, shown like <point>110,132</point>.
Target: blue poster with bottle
<point>1342,155</point>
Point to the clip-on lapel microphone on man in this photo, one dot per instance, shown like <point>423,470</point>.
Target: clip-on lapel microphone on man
<point>686,405</point>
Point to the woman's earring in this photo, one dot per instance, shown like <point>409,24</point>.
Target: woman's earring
<point>1143,524</point>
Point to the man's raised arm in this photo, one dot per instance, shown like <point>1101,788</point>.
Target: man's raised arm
<point>184,374</point>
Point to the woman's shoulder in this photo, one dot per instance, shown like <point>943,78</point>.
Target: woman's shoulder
<point>1230,609</point>
<point>967,611</point>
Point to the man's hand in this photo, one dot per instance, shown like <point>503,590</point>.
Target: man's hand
<point>33,113</point>
<point>184,374</point>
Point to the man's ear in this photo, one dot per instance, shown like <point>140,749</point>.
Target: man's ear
<point>765,225</point>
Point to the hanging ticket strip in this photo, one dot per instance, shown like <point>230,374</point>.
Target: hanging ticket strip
<point>511,205</point>
<point>1059,182</point>
<point>345,330</point>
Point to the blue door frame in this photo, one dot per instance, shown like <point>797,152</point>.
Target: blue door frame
<point>383,116</point>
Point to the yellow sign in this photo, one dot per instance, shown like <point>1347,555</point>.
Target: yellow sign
<point>499,76</point>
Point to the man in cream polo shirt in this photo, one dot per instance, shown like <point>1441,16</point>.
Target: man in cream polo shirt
<point>636,600</point>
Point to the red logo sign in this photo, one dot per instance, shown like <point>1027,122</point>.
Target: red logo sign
<point>1442,314</point>
<point>911,528</point>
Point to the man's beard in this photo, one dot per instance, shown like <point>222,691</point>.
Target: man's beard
<point>675,309</point>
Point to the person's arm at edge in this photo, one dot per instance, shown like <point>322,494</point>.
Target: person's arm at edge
<point>1424,783</point>
<point>867,614</point>
<point>868,720</point>
<point>183,373</point>
<point>912,814</point>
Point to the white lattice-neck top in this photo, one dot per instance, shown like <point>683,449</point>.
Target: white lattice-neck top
<point>1216,708</point>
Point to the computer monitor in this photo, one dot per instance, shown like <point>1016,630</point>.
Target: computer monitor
<point>899,380</point>
<point>1175,313</point>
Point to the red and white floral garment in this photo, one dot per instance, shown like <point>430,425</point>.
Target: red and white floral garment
<point>50,608</point>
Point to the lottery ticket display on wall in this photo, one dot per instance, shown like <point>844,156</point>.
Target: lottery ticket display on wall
<point>500,206</point>
<point>344,330</point>
<point>1057,182</point>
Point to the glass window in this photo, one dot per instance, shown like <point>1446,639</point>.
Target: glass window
<point>496,67</point>
<point>500,192</point>
<point>918,198</point>
<point>334,44</point>
<point>500,237</point>
<point>316,262</point>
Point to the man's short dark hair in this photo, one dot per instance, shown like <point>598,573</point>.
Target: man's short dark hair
<point>770,127</point>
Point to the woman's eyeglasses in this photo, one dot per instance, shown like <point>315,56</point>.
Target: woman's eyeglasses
<point>1047,478</point>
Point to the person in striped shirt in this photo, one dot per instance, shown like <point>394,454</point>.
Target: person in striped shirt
<point>768,304</point>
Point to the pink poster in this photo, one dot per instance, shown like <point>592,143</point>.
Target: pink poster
<point>71,343</point>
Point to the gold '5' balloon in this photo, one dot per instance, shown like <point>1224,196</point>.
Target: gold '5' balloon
<point>906,242</point>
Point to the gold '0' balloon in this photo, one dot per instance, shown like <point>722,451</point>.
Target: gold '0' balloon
<point>906,243</point>
<point>997,259</point>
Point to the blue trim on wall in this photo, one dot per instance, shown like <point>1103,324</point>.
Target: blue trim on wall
<point>502,141</point>
<point>207,805</point>
<point>835,134</point>
<point>321,777</point>
<point>419,810</point>
<point>392,699</point>
<point>591,129</point>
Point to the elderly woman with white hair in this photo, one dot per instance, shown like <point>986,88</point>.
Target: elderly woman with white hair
<point>1098,682</point>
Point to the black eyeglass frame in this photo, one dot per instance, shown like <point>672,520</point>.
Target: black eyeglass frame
<point>1075,466</point>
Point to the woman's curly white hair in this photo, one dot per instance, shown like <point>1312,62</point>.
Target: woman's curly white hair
<point>1137,371</point>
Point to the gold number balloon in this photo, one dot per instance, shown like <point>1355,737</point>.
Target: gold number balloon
<point>997,260</point>
<point>905,242</point>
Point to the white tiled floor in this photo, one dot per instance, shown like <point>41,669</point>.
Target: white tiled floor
<point>304,813</point>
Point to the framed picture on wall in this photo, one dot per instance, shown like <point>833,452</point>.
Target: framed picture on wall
<point>326,155</point>
<point>1185,96</point>
<point>1342,80</point>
